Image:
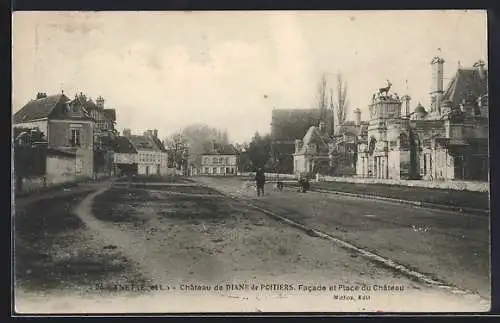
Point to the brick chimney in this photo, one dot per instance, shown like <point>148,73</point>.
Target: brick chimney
<point>41,95</point>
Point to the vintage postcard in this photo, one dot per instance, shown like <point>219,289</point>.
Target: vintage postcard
<point>265,161</point>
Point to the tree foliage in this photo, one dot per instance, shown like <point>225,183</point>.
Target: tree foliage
<point>197,138</point>
<point>259,152</point>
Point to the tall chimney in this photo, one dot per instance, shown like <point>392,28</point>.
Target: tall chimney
<point>479,66</point>
<point>155,133</point>
<point>437,83</point>
<point>357,117</point>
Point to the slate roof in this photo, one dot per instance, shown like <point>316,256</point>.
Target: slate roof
<point>158,143</point>
<point>144,143</point>
<point>124,146</point>
<point>466,82</point>
<point>39,109</point>
<point>110,114</point>
<point>222,149</point>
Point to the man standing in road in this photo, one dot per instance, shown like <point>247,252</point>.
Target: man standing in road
<point>260,180</point>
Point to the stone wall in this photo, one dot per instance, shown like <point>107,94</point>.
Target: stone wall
<point>60,170</point>
<point>449,185</point>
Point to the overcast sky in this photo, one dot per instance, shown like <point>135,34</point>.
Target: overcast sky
<point>165,70</point>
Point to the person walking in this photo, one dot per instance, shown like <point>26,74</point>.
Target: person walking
<point>260,180</point>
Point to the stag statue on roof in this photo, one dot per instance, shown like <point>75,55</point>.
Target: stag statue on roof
<point>385,89</point>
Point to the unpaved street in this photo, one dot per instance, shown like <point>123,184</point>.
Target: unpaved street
<point>186,239</point>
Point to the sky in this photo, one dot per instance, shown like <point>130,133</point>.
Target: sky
<point>165,70</point>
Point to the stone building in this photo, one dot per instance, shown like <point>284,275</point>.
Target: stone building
<point>66,128</point>
<point>152,157</point>
<point>449,141</point>
<point>312,152</point>
<point>289,124</point>
<point>221,159</point>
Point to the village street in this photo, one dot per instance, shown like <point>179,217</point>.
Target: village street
<point>185,238</point>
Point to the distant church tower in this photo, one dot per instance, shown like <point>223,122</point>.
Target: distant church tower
<point>437,84</point>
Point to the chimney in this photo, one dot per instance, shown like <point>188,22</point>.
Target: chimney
<point>437,82</point>
<point>155,133</point>
<point>100,102</point>
<point>483,104</point>
<point>127,132</point>
<point>479,66</point>
<point>406,98</point>
<point>357,117</point>
<point>149,133</point>
<point>41,95</point>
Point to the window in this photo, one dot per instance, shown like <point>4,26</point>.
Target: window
<point>206,170</point>
<point>214,170</point>
<point>214,160</point>
<point>221,160</point>
<point>75,137</point>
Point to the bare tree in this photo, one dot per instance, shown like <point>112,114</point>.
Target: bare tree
<point>322,95</point>
<point>342,104</point>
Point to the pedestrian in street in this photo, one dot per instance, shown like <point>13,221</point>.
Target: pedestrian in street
<point>260,180</point>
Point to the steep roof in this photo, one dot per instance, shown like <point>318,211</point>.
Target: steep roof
<point>222,149</point>
<point>110,114</point>
<point>144,143</point>
<point>124,146</point>
<point>466,82</point>
<point>39,109</point>
<point>158,143</point>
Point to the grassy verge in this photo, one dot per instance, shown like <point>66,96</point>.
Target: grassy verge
<point>467,199</point>
<point>134,206</point>
<point>55,251</point>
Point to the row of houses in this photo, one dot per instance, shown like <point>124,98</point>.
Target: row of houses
<point>68,139</point>
<point>59,140</point>
<point>147,155</point>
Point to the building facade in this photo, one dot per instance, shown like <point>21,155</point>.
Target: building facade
<point>312,153</point>
<point>450,141</point>
<point>125,157</point>
<point>220,160</point>
<point>152,157</point>
<point>66,129</point>
<point>287,125</point>
<point>105,133</point>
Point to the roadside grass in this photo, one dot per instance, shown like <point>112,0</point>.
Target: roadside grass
<point>119,205</point>
<point>53,250</point>
<point>479,200</point>
<point>126,205</point>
